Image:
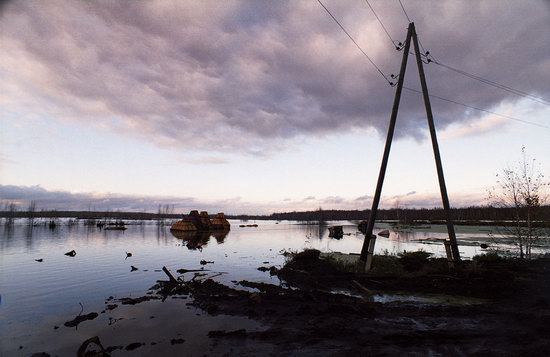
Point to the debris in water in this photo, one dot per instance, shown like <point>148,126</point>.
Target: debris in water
<point>133,346</point>
<point>336,232</point>
<point>221,333</point>
<point>111,307</point>
<point>183,271</point>
<point>133,268</point>
<point>72,253</point>
<point>113,348</point>
<point>272,270</point>
<point>81,318</point>
<point>39,260</point>
<point>128,255</point>
<point>204,262</point>
<point>82,350</point>
<point>484,246</point>
<point>133,301</point>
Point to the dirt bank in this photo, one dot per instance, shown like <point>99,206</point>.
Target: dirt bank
<point>499,307</point>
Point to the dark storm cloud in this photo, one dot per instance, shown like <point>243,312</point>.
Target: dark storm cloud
<point>247,76</point>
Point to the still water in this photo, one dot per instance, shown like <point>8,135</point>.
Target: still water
<point>36,297</point>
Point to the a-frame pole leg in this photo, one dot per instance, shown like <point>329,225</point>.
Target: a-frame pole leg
<point>376,200</point>
<point>442,186</point>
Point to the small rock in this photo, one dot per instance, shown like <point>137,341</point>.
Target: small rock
<point>133,346</point>
<point>39,260</point>
<point>113,348</point>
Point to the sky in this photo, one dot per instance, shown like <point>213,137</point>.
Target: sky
<point>260,107</point>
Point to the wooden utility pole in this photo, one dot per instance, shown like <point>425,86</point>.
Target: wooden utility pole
<point>368,248</point>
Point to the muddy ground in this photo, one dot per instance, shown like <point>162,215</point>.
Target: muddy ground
<point>499,307</point>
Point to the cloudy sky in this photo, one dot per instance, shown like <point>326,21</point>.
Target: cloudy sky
<point>261,106</point>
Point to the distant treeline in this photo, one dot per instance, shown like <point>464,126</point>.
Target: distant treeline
<point>405,215</point>
<point>88,215</point>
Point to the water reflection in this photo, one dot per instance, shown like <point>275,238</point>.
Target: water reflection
<point>195,240</point>
<point>318,231</point>
<point>220,236</point>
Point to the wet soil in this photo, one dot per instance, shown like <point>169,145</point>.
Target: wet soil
<point>322,311</point>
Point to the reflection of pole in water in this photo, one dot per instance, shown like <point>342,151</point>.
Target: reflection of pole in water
<point>398,241</point>
<point>161,233</point>
<point>28,235</point>
<point>322,230</point>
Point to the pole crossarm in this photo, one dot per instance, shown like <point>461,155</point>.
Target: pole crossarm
<point>368,247</point>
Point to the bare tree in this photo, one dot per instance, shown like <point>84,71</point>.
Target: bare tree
<point>31,212</point>
<point>10,208</point>
<point>522,188</point>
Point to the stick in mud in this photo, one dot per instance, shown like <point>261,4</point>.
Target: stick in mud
<point>170,276</point>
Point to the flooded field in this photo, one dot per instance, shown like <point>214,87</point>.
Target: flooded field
<point>41,288</point>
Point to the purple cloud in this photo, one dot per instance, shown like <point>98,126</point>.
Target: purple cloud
<point>249,76</point>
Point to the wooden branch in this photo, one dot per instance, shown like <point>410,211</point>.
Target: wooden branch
<point>170,276</point>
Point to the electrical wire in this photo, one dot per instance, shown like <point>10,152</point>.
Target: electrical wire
<point>494,84</point>
<point>478,109</point>
<point>380,21</point>
<point>404,11</point>
<point>355,43</point>
<point>430,58</point>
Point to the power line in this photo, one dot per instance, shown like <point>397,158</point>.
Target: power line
<point>356,44</point>
<point>381,24</point>
<point>404,11</point>
<point>426,54</point>
<point>517,92</point>
<point>430,58</point>
<point>494,84</point>
<point>479,109</point>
